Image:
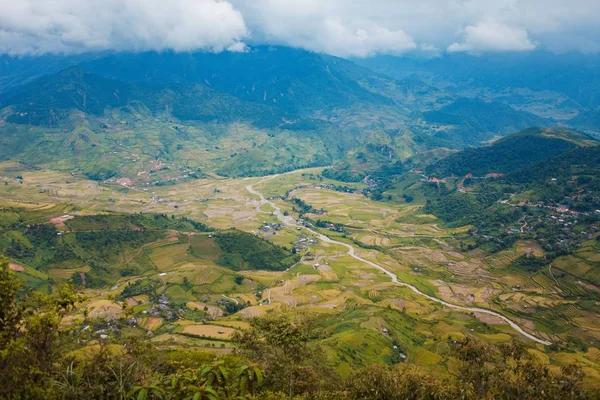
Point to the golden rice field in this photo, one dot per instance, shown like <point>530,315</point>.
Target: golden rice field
<point>415,246</point>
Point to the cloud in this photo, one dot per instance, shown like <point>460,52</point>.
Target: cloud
<point>323,26</point>
<point>41,26</point>
<point>492,36</point>
<point>365,27</point>
<point>335,38</point>
<point>357,28</point>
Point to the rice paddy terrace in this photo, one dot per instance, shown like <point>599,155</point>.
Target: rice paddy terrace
<point>377,274</point>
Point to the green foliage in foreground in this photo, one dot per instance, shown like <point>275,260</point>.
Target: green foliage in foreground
<point>277,358</point>
<point>243,251</point>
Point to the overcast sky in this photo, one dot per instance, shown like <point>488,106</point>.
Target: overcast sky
<point>347,28</point>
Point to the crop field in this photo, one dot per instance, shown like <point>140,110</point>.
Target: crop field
<point>354,300</point>
<point>64,273</point>
<point>280,185</point>
<point>208,331</point>
<point>103,309</point>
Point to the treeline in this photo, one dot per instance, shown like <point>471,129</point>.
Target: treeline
<point>509,154</point>
<point>573,179</point>
<point>243,251</point>
<point>277,358</point>
<point>135,222</point>
<point>302,207</point>
<point>94,240</point>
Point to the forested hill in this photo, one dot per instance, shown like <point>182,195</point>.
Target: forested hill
<point>512,152</point>
<point>50,99</point>
<point>484,116</point>
<point>468,121</point>
<point>281,77</point>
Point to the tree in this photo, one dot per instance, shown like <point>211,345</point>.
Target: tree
<point>29,335</point>
<point>281,346</point>
<point>10,312</point>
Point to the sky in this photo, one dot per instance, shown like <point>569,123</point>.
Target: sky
<point>345,28</point>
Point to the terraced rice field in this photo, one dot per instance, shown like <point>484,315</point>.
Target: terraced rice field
<point>64,273</point>
<point>169,257</point>
<point>210,310</point>
<point>209,331</point>
<point>150,323</point>
<point>103,309</point>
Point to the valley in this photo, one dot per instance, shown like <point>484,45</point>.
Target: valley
<point>390,260</point>
<point>178,224</point>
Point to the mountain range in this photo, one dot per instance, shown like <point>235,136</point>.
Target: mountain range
<point>283,108</point>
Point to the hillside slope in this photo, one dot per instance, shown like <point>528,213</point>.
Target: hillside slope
<point>85,123</point>
<point>468,122</point>
<point>588,120</point>
<point>511,153</point>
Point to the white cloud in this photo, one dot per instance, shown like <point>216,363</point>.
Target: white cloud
<point>357,28</point>
<point>493,36</point>
<point>40,26</point>
<point>333,37</point>
<point>329,26</point>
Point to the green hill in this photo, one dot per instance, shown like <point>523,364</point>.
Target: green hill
<point>81,122</point>
<point>553,201</point>
<point>511,153</point>
<point>244,251</point>
<point>471,121</point>
<point>381,153</point>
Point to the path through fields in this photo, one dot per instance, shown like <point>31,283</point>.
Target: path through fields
<point>290,221</point>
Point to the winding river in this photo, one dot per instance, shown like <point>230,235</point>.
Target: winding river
<point>289,221</point>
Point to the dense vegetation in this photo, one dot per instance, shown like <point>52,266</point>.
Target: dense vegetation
<point>508,154</point>
<point>241,251</point>
<point>95,241</point>
<point>276,359</point>
<point>568,181</point>
<point>136,222</point>
<point>529,263</point>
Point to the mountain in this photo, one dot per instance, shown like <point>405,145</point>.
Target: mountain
<point>51,98</point>
<point>587,120</point>
<point>467,122</point>
<point>271,109</point>
<point>293,80</point>
<point>540,79</point>
<point>81,122</point>
<point>511,152</point>
<point>16,71</point>
<point>286,78</point>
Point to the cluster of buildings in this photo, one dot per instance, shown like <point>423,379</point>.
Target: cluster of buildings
<point>302,243</point>
<point>162,308</point>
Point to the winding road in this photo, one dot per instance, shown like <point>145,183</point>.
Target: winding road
<point>290,221</point>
